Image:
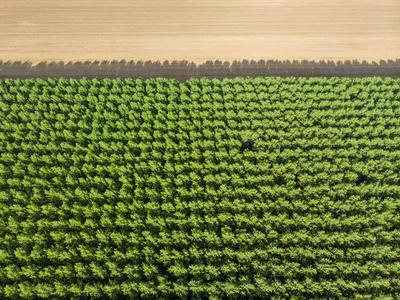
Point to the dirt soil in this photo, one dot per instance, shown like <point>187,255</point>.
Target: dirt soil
<point>193,30</point>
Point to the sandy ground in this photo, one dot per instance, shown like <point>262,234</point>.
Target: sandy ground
<point>38,30</point>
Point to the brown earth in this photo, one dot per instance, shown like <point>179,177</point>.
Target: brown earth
<point>199,30</point>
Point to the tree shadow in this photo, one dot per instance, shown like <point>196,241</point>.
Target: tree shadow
<point>183,70</point>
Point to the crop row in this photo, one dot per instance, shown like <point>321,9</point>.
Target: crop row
<point>234,188</point>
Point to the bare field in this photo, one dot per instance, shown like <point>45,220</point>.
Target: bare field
<point>43,30</point>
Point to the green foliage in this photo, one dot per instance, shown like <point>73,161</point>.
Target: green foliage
<point>233,188</point>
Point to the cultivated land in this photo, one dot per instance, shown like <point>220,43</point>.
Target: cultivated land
<point>245,188</point>
<point>45,30</point>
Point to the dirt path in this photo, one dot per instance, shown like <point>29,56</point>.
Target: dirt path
<point>38,30</point>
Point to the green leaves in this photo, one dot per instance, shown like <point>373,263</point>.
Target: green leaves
<point>233,188</point>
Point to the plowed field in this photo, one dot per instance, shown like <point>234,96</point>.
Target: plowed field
<point>199,30</point>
